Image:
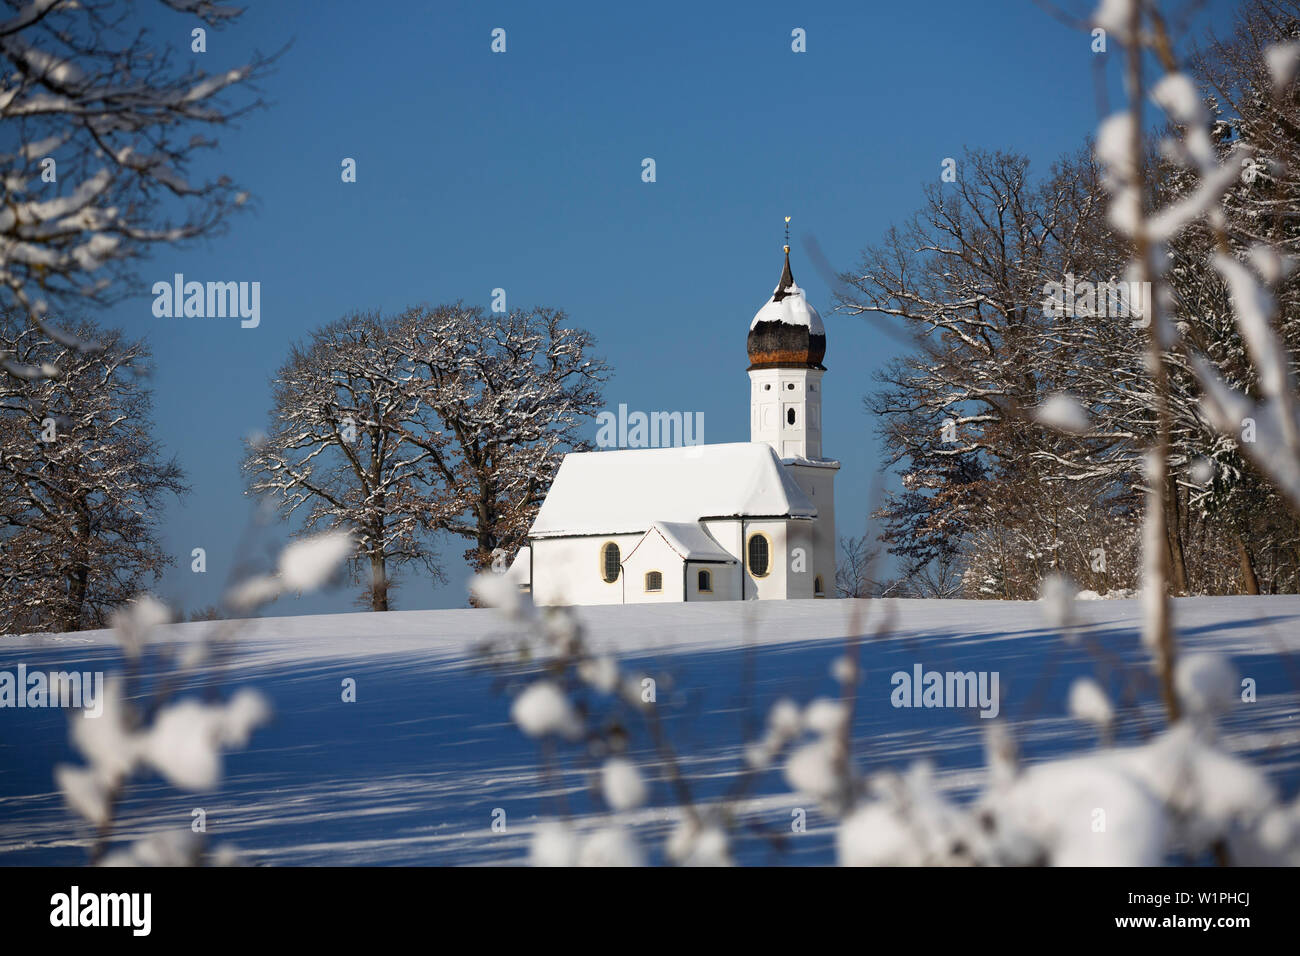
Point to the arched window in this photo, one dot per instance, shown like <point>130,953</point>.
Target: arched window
<point>789,415</point>
<point>654,581</point>
<point>760,554</point>
<point>609,562</point>
<point>704,580</point>
<point>817,585</point>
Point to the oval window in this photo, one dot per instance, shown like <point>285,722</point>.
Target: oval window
<point>609,562</point>
<point>760,555</point>
<point>789,416</point>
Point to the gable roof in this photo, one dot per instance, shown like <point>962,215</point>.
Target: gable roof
<point>691,542</point>
<point>627,491</point>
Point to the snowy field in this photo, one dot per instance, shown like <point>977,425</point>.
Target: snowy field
<point>413,770</point>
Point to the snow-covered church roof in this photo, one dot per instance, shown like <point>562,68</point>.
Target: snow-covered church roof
<point>690,541</point>
<point>627,491</point>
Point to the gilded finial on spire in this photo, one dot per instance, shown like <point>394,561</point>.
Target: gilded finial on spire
<point>787,233</point>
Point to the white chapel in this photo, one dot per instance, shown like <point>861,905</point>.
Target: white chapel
<point>721,522</point>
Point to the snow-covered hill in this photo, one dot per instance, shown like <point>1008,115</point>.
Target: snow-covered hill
<point>417,769</point>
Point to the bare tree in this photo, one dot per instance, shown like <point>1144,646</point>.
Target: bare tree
<point>853,570</point>
<point>1213,169</point>
<point>82,482</point>
<point>509,392</point>
<point>105,130</point>
<point>967,275</point>
<point>341,451</point>
<point>961,414</point>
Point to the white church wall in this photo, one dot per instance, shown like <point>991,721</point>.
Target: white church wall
<point>568,570</point>
<point>800,560</point>
<point>653,554</point>
<point>776,583</point>
<point>818,483</point>
<point>724,582</point>
<point>726,531</point>
<point>775,393</point>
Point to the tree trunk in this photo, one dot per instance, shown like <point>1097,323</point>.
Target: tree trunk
<point>1249,582</point>
<point>79,578</point>
<point>485,540</point>
<point>379,584</point>
<point>378,570</point>
<point>1177,558</point>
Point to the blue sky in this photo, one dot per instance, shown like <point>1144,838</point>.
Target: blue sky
<point>522,171</point>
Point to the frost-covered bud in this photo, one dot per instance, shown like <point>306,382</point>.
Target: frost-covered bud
<point>622,784</point>
<point>1206,683</point>
<point>758,756</point>
<point>811,768</point>
<point>225,855</point>
<point>559,625</point>
<point>1064,413</point>
<point>245,711</point>
<point>600,673</point>
<point>182,746</point>
<point>84,791</point>
<point>874,836</point>
<point>166,848</point>
<point>692,845</point>
<point>543,709</point>
<point>612,846</point>
<point>133,624</point>
<point>1057,598</point>
<point>307,564</point>
<point>1001,754</point>
<point>1202,471</point>
<point>1283,59</point>
<point>1088,702</point>
<point>499,591</point>
<point>826,716</point>
<point>254,592</point>
<point>108,742</point>
<point>554,844</point>
<point>784,721</point>
<point>1271,265</point>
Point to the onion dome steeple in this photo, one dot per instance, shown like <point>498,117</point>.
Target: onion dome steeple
<point>787,332</point>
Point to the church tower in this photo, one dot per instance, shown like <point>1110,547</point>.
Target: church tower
<point>786,345</point>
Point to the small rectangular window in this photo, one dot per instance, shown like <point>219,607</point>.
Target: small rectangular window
<point>654,581</point>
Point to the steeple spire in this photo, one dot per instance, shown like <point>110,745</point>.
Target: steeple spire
<point>787,277</point>
<point>786,332</point>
